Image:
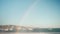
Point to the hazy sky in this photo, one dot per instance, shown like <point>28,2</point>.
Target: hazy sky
<point>41,13</point>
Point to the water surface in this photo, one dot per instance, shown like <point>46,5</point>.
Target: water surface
<point>32,33</point>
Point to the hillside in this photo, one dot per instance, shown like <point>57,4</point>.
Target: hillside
<point>15,28</point>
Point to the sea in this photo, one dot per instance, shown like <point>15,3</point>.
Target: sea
<point>30,33</point>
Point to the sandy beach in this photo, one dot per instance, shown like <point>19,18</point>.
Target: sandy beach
<point>29,33</point>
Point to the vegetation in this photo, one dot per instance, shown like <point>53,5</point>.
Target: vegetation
<point>13,28</point>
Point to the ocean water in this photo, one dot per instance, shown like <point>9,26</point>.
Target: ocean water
<point>32,33</point>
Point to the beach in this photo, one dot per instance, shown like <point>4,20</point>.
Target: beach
<point>29,33</point>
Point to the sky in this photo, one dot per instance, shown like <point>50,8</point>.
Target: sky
<point>36,13</point>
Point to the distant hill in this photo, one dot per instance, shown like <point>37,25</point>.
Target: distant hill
<point>16,28</point>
